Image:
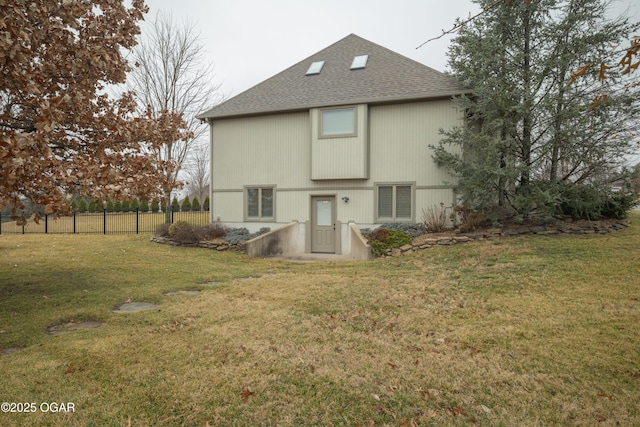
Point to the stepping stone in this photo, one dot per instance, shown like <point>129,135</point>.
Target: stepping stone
<point>134,307</point>
<point>10,350</point>
<point>65,328</point>
<point>172,294</point>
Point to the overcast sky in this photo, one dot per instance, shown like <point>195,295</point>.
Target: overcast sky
<point>248,41</point>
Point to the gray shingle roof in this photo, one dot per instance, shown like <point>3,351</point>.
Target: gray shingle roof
<point>387,77</point>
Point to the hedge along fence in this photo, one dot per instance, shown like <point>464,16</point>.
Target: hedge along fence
<point>104,222</point>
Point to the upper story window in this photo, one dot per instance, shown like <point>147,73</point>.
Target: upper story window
<point>359,62</point>
<point>315,68</point>
<point>338,122</point>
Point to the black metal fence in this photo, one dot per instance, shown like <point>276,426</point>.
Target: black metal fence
<point>104,222</point>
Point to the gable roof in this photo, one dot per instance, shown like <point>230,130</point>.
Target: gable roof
<point>387,77</point>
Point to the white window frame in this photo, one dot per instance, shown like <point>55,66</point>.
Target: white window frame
<point>352,133</point>
<point>394,202</point>
<point>260,216</point>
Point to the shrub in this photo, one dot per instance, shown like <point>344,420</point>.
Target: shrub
<point>195,204</point>
<point>93,206</point>
<point>413,230</point>
<point>618,205</point>
<point>382,239</point>
<point>435,219</point>
<point>175,205</point>
<point>209,232</point>
<point>236,235</point>
<point>186,205</point>
<point>205,204</point>
<point>469,220</point>
<point>588,202</point>
<point>163,230</point>
<point>183,232</point>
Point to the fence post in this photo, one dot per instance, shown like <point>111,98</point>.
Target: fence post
<point>172,211</point>
<point>74,222</point>
<point>137,221</point>
<point>46,224</point>
<point>104,221</point>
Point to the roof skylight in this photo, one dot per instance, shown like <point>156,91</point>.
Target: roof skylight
<point>315,68</point>
<point>359,62</point>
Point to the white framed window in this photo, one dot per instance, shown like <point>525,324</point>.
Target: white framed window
<point>394,202</point>
<point>338,122</point>
<point>259,203</point>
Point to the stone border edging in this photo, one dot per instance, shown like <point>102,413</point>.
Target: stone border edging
<point>580,227</point>
<point>219,245</point>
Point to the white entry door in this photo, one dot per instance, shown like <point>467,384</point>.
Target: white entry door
<point>323,224</point>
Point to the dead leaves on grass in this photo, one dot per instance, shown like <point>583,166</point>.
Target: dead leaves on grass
<point>246,394</point>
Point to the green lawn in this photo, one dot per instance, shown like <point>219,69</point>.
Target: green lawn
<point>524,331</point>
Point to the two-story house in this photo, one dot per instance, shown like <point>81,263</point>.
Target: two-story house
<point>340,137</point>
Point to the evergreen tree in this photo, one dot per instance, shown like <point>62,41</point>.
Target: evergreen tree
<point>144,205</point>
<point>195,204</point>
<point>110,206</point>
<point>117,206</point>
<point>135,205</point>
<point>532,128</point>
<point>82,206</point>
<point>126,206</point>
<point>74,205</point>
<point>205,204</point>
<point>186,205</point>
<point>93,206</point>
<point>155,205</point>
<point>175,205</point>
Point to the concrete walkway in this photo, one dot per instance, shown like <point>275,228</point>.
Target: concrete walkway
<point>302,257</point>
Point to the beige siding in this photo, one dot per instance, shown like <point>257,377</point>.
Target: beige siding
<point>277,150</point>
<point>342,157</point>
<point>400,138</point>
<point>261,150</point>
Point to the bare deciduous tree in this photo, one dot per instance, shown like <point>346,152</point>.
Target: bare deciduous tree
<point>197,170</point>
<point>170,75</point>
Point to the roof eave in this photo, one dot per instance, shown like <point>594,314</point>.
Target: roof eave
<point>210,114</point>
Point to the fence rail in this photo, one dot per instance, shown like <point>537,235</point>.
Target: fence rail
<point>102,222</point>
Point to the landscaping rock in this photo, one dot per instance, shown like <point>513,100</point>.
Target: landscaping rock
<point>65,328</point>
<point>10,350</point>
<point>134,307</point>
<point>172,294</point>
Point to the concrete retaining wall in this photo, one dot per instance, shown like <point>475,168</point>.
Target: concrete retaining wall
<point>359,248</point>
<point>283,240</point>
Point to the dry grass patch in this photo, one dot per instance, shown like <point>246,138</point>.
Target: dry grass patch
<point>523,331</point>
